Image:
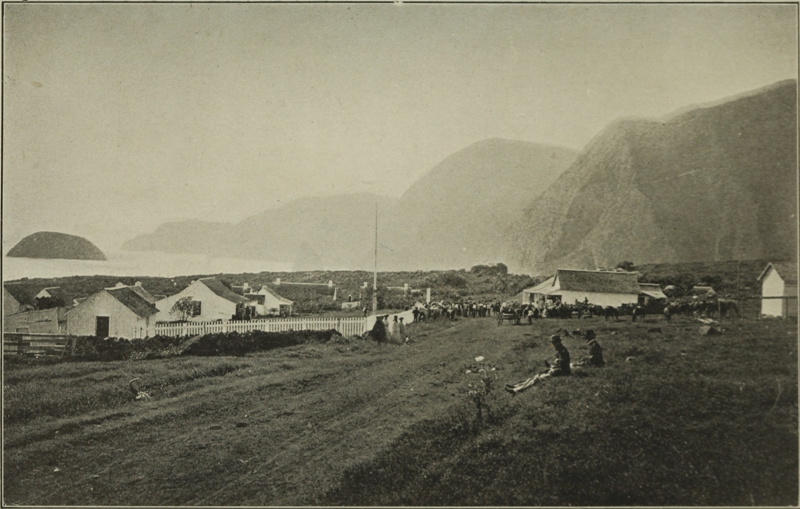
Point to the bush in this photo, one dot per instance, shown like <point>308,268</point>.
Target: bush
<point>233,343</point>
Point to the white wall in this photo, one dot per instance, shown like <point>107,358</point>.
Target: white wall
<point>213,307</point>
<point>772,286</point>
<point>599,299</point>
<point>122,323</point>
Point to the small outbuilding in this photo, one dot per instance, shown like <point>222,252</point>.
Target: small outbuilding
<point>120,312</point>
<point>270,303</point>
<point>38,321</point>
<point>650,292</point>
<point>17,298</point>
<point>703,291</point>
<point>779,289</point>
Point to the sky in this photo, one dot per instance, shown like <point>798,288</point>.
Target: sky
<point>118,118</point>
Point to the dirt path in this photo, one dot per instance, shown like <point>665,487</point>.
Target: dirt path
<point>258,437</point>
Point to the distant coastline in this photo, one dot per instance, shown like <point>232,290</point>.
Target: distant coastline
<point>128,263</point>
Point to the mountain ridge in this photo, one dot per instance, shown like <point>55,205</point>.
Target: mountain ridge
<point>710,184</point>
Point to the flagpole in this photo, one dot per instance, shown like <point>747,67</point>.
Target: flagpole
<point>375,275</point>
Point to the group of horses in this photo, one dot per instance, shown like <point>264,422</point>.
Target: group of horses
<point>516,312</point>
<point>716,308</point>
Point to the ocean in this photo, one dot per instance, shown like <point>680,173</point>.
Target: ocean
<point>135,263</point>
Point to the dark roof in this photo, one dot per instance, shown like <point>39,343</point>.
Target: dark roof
<point>274,294</point>
<point>256,297</point>
<point>54,291</point>
<point>22,293</point>
<point>786,270</point>
<point>133,301</point>
<point>143,293</point>
<point>222,291</point>
<point>598,281</point>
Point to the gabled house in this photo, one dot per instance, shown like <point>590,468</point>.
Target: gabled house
<point>17,298</point>
<point>120,312</point>
<point>779,289</point>
<point>602,288</point>
<point>211,301</point>
<point>50,297</point>
<point>270,303</point>
<point>52,292</point>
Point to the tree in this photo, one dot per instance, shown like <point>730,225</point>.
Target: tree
<point>626,266</point>
<point>49,302</point>
<point>185,308</point>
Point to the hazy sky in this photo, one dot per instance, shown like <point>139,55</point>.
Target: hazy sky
<point>120,117</point>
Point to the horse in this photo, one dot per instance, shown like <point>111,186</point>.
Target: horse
<point>610,311</point>
<point>638,311</point>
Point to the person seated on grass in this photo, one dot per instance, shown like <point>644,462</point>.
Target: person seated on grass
<point>560,367</point>
<point>595,358</point>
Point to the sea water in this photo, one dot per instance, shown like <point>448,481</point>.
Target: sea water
<point>136,263</point>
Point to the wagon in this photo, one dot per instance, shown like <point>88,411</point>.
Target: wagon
<point>508,316</point>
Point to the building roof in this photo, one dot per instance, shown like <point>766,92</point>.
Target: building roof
<point>541,287</point>
<point>222,291</point>
<point>786,270</point>
<point>256,297</point>
<point>270,291</point>
<point>54,292</point>
<point>149,297</point>
<point>133,301</point>
<point>652,289</point>
<point>22,293</point>
<point>598,281</point>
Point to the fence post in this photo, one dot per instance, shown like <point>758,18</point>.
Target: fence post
<point>73,343</point>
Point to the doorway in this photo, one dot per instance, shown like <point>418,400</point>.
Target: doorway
<point>101,327</point>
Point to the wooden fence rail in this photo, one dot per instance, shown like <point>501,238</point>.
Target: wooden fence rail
<point>17,343</point>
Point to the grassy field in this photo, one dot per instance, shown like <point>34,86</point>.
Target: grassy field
<point>673,419</point>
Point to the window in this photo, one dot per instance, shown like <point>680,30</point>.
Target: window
<point>197,308</point>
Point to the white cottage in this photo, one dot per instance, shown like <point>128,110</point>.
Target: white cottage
<point>603,288</point>
<point>212,301</point>
<point>270,303</point>
<point>779,289</point>
<point>119,312</point>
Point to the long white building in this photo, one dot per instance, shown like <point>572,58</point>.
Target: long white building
<point>603,288</point>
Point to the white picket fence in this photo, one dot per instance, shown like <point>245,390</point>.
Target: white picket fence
<point>353,326</point>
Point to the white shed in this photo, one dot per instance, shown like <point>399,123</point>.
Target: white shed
<point>779,289</point>
<point>119,312</point>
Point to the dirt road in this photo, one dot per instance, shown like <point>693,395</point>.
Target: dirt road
<point>279,431</point>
